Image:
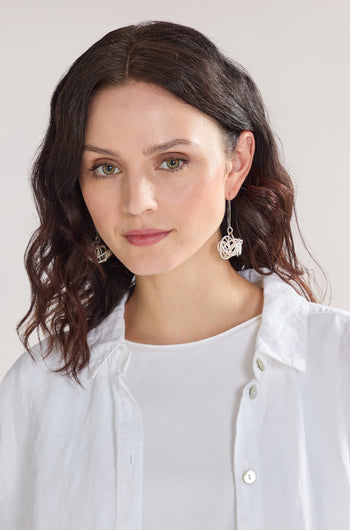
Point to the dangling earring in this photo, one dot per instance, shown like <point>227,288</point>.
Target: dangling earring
<point>102,252</point>
<point>229,246</point>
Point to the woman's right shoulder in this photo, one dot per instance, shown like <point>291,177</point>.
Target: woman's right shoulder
<point>28,369</point>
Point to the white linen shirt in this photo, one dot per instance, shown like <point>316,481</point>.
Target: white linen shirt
<point>71,458</point>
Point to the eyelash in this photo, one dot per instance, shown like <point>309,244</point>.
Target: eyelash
<point>107,163</point>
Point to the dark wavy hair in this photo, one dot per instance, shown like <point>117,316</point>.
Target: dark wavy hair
<point>71,292</point>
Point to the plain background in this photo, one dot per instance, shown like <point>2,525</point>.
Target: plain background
<point>298,52</point>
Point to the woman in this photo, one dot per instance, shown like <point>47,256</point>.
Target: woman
<point>188,378</point>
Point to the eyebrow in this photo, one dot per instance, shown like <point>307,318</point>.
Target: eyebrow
<point>147,152</point>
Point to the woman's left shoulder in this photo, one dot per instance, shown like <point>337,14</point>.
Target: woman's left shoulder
<point>329,326</point>
<point>332,314</point>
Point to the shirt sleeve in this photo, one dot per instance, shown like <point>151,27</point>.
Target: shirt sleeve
<point>16,446</point>
<point>343,378</point>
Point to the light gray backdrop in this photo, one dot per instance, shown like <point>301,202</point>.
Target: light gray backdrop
<point>298,52</point>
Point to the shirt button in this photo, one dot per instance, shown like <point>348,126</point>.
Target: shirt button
<point>260,364</point>
<point>249,476</point>
<point>253,392</point>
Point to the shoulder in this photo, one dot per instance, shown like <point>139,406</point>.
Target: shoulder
<point>30,373</point>
<point>16,397</point>
<point>30,394</point>
<point>329,319</point>
<point>329,327</point>
<point>326,311</point>
<point>38,369</point>
<point>286,304</point>
<point>300,332</point>
<point>19,374</point>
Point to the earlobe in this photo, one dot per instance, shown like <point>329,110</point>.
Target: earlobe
<point>241,162</point>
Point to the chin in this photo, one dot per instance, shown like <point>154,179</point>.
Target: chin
<point>143,267</point>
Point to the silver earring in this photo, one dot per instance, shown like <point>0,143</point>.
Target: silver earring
<point>102,251</point>
<point>229,246</point>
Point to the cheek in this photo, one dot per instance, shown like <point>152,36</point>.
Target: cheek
<point>101,205</point>
<point>207,200</point>
<point>198,210</point>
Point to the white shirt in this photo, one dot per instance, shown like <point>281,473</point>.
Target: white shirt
<point>72,458</point>
<point>189,396</point>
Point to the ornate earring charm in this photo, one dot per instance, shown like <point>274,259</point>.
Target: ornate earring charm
<point>102,251</point>
<point>229,246</point>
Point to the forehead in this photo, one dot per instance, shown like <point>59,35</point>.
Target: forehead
<point>136,95</point>
<point>137,107</point>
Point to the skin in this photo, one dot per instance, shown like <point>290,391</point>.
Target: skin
<point>184,290</point>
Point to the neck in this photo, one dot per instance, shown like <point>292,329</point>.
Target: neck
<point>201,298</point>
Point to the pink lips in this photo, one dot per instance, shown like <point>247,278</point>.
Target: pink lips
<point>145,237</point>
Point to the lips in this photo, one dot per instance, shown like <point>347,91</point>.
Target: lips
<point>146,236</point>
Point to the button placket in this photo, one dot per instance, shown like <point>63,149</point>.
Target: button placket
<point>247,456</point>
<point>249,476</point>
<point>129,436</point>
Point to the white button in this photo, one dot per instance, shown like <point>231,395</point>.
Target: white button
<point>260,364</point>
<point>253,392</point>
<point>249,476</point>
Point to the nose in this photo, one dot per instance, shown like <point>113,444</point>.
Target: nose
<point>138,195</point>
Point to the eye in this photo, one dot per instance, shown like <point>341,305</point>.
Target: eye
<point>104,170</point>
<point>174,164</point>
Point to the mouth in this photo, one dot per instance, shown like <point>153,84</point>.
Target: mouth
<point>145,237</point>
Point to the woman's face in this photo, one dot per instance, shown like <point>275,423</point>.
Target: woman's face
<point>157,193</point>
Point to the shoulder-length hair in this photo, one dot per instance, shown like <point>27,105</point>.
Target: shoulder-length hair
<point>71,292</point>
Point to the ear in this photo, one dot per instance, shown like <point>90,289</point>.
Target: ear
<point>239,164</point>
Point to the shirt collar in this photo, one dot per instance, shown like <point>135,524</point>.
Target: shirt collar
<point>282,334</point>
<point>283,330</point>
